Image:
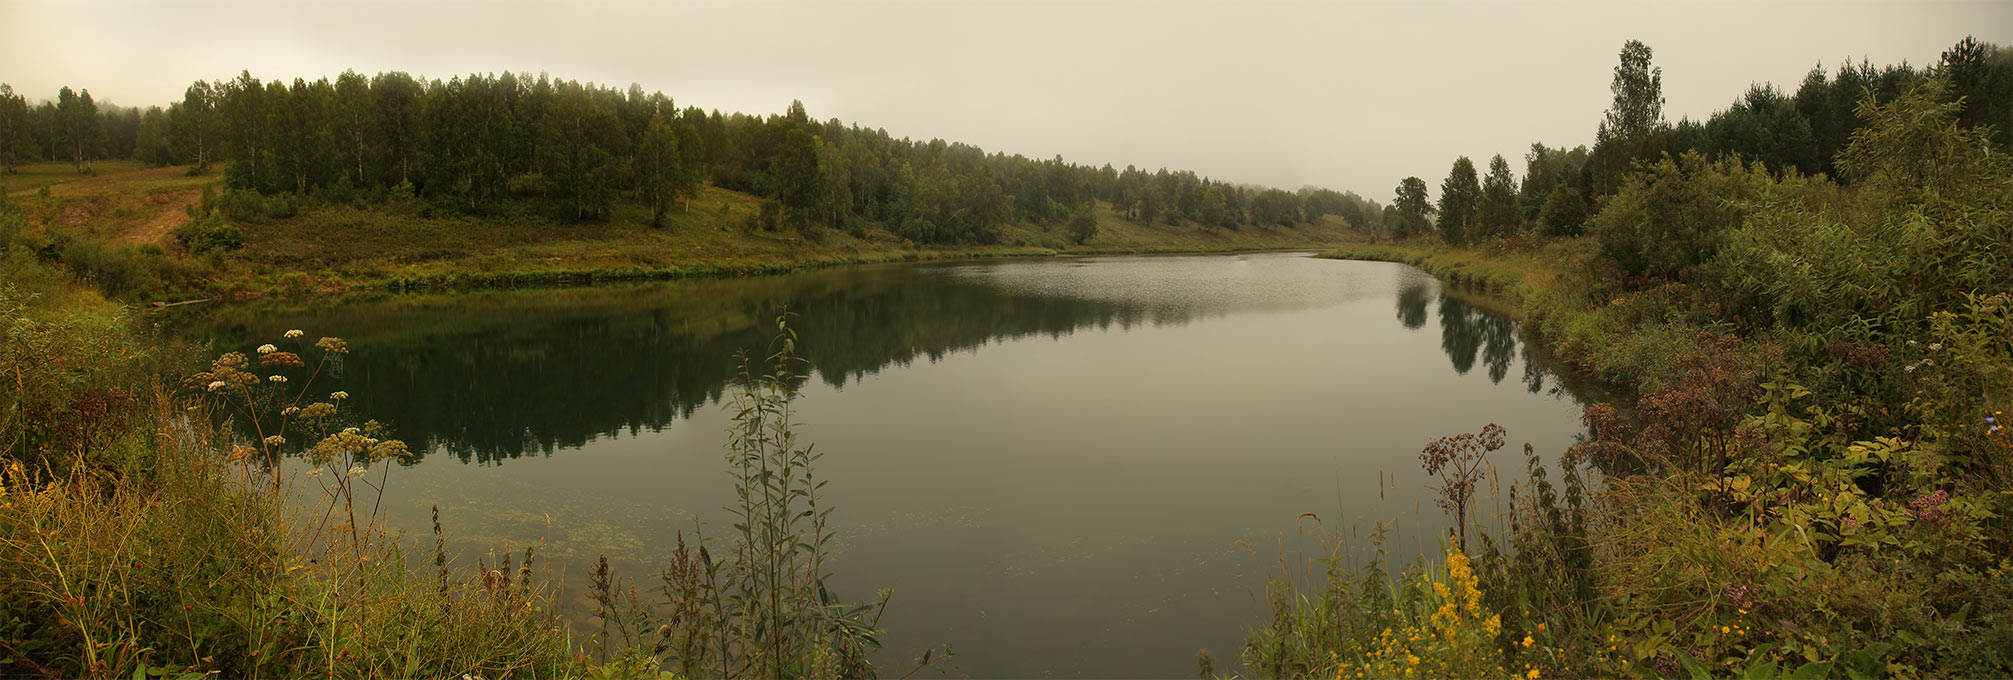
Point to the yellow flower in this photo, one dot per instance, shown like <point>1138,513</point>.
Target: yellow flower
<point>1724,630</point>
<point>1531,675</point>
<point>1527,641</point>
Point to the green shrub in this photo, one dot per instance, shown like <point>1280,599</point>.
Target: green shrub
<point>209,234</point>
<point>1927,221</point>
<point>1671,216</point>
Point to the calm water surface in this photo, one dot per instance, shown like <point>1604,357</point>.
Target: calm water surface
<point>1069,467</point>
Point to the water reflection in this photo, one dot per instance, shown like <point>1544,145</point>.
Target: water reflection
<point>1412,299</point>
<point>1469,332</point>
<point>562,368</point>
<point>490,376</point>
<point>1071,499</point>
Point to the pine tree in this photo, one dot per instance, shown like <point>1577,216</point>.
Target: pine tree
<point>1497,215</point>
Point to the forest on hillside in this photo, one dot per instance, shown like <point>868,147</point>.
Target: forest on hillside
<point>483,144</point>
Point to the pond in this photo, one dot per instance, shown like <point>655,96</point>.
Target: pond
<point>1062,467</point>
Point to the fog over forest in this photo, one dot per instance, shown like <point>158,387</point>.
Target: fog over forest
<point>1348,96</point>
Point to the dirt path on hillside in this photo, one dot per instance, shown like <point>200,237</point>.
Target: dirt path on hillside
<point>163,213</point>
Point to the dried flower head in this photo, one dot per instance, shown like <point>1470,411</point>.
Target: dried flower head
<point>293,333</point>
<point>333,345</point>
<point>338,395</point>
<point>278,378</point>
<point>268,348</point>
<point>275,440</point>
<point>281,359</point>
<point>216,385</point>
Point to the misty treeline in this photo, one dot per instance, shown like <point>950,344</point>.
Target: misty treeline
<point>478,143</point>
<point>1799,134</point>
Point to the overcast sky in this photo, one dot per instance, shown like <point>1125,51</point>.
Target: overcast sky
<point>1348,95</point>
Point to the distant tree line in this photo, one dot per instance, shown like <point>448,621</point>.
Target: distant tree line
<point>478,143</point>
<point>1783,134</point>
<point>72,128</point>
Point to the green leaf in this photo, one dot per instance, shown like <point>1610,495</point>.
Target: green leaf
<point>1812,671</point>
<point>1692,666</point>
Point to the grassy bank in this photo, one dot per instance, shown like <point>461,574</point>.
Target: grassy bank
<point>127,229</point>
<point>1622,340</point>
<point>1742,528</point>
<point>1809,476</point>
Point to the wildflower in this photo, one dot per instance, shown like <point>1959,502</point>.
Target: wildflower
<point>1928,506</point>
<point>275,440</point>
<point>333,345</point>
<point>216,385</point>
<point>356,471</point>
<point>1527,641</point>
<point>338,395</point>
<point>1935,346</point>
<point>1531,674</point>
<point>317,472</point>
<point>290,410</point>
<point>293,333</point>
<point>278,378</point>
<point>268,348</point>
<point>1724,630</point>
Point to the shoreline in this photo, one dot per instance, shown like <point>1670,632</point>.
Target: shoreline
<point>467,279</point>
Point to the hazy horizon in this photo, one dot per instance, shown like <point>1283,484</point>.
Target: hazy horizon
<point>1350,96</point>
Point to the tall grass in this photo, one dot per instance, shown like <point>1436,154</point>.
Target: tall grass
<point>138,539</point>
